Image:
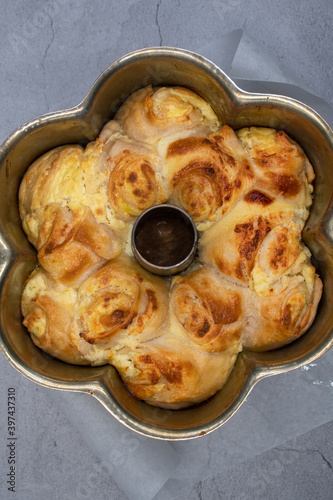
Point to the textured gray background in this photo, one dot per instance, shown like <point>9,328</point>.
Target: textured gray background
<point>51,53</point>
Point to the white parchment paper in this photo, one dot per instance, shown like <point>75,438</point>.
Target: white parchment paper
<point>278,409</point>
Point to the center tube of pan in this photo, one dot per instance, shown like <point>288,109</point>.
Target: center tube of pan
<point>164,239</point>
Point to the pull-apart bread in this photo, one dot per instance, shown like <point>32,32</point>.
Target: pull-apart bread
<point>174,341</point>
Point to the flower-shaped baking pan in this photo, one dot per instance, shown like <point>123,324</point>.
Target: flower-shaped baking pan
<point>83,123</point>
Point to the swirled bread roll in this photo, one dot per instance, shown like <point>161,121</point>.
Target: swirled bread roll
<point>135,183</point>
<point>206,175</point>
<point>48,313</point>
<point>71,244</point>
<point>120,306</point>
<point>284,311</point>
<point>259,244</point>
<point>209,310</point>
<point>44,179</point>
<point>63,175</point>
<point>151,113</point>
<point>280,165</point>
<point>232,244</point>
<point>41,185</point>
<point>170,373</point>
<point>281,252</point>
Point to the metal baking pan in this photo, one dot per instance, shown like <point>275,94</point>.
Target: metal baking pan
<point>161,66</point>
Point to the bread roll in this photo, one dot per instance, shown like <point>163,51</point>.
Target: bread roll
<point>209,310</point>
<point>231,245</point>
<point>71,244</point>
<point>47,309</point>
<point>170,373</point>
<point>280,165</point>
<point>63,175</point>
<point>151,113</point>
<point>204,177</point>
<point>283,312</point>
<point>120,305</point>
<point>135,183</point>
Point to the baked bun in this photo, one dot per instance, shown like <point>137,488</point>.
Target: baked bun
<point>209,311</point>
<point>63,175</point>
<point>283,312</point>
<point>174,340</point>
<point>171,373</point>
<point>280,165</point>
<point>119,305</point>
<point>71,244</point>
<point>258,245</point>
<point>151,113</point>
<point>203,177</point>
<point>48,309</point>
<point>232,244</point>
<point>135,183</point>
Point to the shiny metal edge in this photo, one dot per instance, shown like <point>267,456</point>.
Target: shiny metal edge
<point>164,270</point>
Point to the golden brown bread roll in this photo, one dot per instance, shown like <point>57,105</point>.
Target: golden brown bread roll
<point>210,311</point>
<point>259,245</point>
<point>280,253</point>
<point>280,165</point>
<point>63,175</point>
<point>45,177</point>
<point>71,244</point>
<point>134,181</point>
<point>283,312</point>
<point>252,286</point>
<point>203,177</point>
<point>232,244</point>
<point>151,113</point>
<point>171,373</point>
<point>120,305</point>
<point>47,309</point>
